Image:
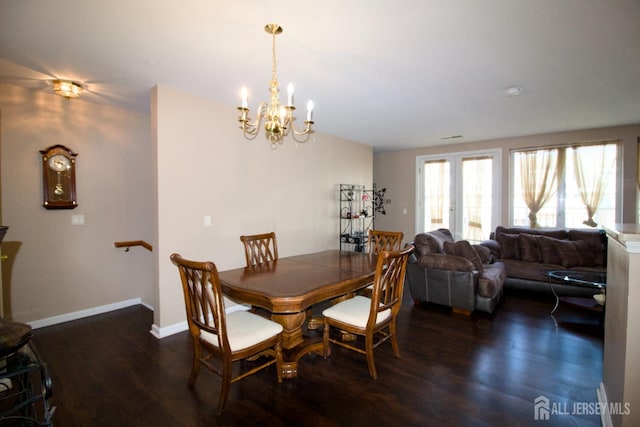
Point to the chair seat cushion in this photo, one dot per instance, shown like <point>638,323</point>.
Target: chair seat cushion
<point>245,329</point>
<point>355,311</point>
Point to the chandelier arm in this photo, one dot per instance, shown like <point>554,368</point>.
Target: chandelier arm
<point>250,130</point>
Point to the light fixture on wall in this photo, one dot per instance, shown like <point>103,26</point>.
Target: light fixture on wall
<point>66,88</point>
<point>278,119</point>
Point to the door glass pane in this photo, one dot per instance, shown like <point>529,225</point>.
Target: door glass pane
<point>436,194</point>
<point>477,188</point>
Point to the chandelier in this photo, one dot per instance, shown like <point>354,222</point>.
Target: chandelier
<point>278,119</point>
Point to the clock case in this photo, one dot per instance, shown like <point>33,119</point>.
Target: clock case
<point>50,179</point>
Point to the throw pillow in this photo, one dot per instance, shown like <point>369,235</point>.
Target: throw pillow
<point>528,248</point>
<point>557,251</point>
<point>484,253</point>
<point>464,249</point>
<point>508,246</point>
<point>568,253</point>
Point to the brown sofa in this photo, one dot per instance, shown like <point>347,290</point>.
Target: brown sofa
<point>529,253</point>
<point>455,274</point>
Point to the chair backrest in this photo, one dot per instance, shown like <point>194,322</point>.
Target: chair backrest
<point>384,241</point>
<point>388,282</point>
<point>260,248</point>
<point>203,299</point>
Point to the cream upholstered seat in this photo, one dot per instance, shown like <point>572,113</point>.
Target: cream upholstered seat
<point>221,338</point>
<point>355,311</point>
<point>244,330</point>
<point>373,318</point>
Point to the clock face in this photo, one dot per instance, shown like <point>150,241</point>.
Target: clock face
<point>59,163</point>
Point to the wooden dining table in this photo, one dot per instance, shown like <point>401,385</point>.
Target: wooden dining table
<point>289,286</point>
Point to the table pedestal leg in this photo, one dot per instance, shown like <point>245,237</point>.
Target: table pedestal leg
<point>293,342</point>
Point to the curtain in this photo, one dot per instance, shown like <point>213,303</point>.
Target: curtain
<point>540,172</point>
<point>593,167</point>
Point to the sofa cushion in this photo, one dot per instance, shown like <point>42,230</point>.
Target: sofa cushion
<point>528,248</point>
<point>557,251</point>
<point>529,270</point>
<point>484,253</point>
<point>463,248</point>
<point>556,233</point>
<point>596,241</point>
<point>508,246</point>
<point>432,242</point>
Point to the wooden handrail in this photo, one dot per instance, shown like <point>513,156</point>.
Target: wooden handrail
<point>130,243</point>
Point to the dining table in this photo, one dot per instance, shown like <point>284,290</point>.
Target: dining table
<point>288,287</point>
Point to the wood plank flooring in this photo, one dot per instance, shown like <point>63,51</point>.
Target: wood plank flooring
<point>108,370</point>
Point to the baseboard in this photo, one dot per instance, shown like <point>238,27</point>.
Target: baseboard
<point>166,331</point>
<point>155,330</point>
<point>67,317</point>
<point>605,416</point>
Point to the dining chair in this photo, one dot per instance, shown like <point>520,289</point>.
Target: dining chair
<point>384,241</point>
<point>379,241</point>
<point>220,338</point>
<point>372,318</point>
<point>260,248</point>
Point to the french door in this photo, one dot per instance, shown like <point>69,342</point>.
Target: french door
<point>460,192</point>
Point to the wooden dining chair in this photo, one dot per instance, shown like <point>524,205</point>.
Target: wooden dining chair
<point>220,338</point>
<point>372,318</point>
<point>379,241</point>
<point>260,248</point>
<point>384,241</point>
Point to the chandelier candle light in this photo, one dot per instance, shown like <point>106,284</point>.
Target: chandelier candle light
<point>278,119</point>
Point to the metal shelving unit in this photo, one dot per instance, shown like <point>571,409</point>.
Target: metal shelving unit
<point>356,216</point>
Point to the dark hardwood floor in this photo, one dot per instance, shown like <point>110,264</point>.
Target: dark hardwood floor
<point>108,370</point>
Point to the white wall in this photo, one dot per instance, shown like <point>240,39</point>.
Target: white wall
<point>153,178</point>
<point>206,167</point>
<point>55,268</point>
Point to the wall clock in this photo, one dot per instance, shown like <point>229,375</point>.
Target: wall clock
<point>59,178</point>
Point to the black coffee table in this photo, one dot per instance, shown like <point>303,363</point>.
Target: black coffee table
<point>589,279</point>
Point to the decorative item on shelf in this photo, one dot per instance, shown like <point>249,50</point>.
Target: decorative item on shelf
<point>66,88</point>
<point>59,178</point>
<point>279,119</point>
<point>378,200</point>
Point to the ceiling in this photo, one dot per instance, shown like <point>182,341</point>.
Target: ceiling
<point>390,74</point>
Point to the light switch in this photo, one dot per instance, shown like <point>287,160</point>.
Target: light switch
<point>77,219</point>
<point>207,220</point>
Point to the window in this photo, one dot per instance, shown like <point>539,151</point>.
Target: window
<point>570,186</point>
<point>459,192</point>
